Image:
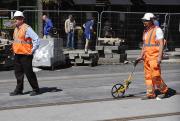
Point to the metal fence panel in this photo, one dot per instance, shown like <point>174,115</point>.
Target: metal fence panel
<point>6,24</point>
<point>33,18</point>
<point>128,26</point>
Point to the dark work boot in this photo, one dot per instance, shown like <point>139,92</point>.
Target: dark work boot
<point>15,93</point>
<point>161,96</point>
<point>164,95</point>
<point>35,92</point>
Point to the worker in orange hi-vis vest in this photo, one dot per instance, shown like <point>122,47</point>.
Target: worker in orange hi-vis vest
<point>152,52</point>
<point>25,43</point>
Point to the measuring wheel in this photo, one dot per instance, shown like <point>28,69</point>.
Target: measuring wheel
<point>118,90</point>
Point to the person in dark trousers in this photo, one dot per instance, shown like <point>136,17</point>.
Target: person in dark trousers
<point>69,27</point>
<point>48,26</point>
<point>25,43</point>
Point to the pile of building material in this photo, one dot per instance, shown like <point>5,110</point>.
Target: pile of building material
<point>50,53</point>
<point>110,41</point>
<point>79,57</point>
<point>111,51</point>
<point>6,54</point>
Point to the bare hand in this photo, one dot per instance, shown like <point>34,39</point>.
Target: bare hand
<point>159,60</point>
<point>137,61</point>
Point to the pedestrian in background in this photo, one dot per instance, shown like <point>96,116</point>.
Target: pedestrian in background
<point>88,26</point>
<point>69,29</point>
<point>48,26</point>
<point>152,52</point>
<point>156,21</point>
<point>25,43</point>
<point>107,29</point>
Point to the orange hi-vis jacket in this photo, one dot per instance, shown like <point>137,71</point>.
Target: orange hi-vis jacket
<point>151,46</point>
<point>21,44</point>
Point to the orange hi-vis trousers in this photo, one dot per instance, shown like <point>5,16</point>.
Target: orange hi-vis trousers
<point>153,78</point>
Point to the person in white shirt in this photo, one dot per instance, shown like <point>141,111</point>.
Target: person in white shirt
<point>151,54</point>
<point>69,29</point>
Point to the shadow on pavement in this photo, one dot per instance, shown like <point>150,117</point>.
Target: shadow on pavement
<point>171,92</point>
<point>46,89</point>
<point>132,95</point>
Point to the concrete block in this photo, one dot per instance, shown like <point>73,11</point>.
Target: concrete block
<point>73,56</point>
<point>99,47</point>
<point>87,61</point>
<point>81,55</point>
<point>111,47</point>
<point>108,55</point>
<point>107,51</point>
<point>115,55</point>
<point>78,60</point>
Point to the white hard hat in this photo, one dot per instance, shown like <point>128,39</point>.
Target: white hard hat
<point>18,14</point>
<point>148,16</point>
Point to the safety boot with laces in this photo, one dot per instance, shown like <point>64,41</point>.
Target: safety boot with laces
<point>163,95</point>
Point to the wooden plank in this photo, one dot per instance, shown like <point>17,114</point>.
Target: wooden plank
<point>79,60</point>
<point>111,47</point>
<point>107,51</point>
<point>115,55</point>
<point>110,40</point>
<point>108,55</point>
<point>84,55</point>
<point>87,61</point>
<point>73,56</point>
<point>99,47</point>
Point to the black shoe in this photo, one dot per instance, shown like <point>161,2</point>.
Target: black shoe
<point>147,98</point>
<point>15,93</point>
<point>162,96</point>
<point>86,51</point>
<point>169,93</point>
<point>34,93</point>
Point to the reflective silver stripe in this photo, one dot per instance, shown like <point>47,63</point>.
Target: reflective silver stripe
<point>22,42</point>
<point>149,45</point>
<point>149,41</point>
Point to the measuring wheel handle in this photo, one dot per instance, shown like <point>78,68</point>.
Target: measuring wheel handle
<point>118,90</point>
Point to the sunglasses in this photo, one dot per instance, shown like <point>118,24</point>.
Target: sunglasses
<point>145,20</point>
<point>18,18</point>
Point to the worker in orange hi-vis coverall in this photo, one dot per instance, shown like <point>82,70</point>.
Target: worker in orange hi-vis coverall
<point>151,54</point>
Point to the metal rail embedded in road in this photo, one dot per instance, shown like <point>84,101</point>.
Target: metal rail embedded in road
<point>144,117</point>
<point>71,102</point>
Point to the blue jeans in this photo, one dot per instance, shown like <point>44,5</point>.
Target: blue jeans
<point>70,40</point>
